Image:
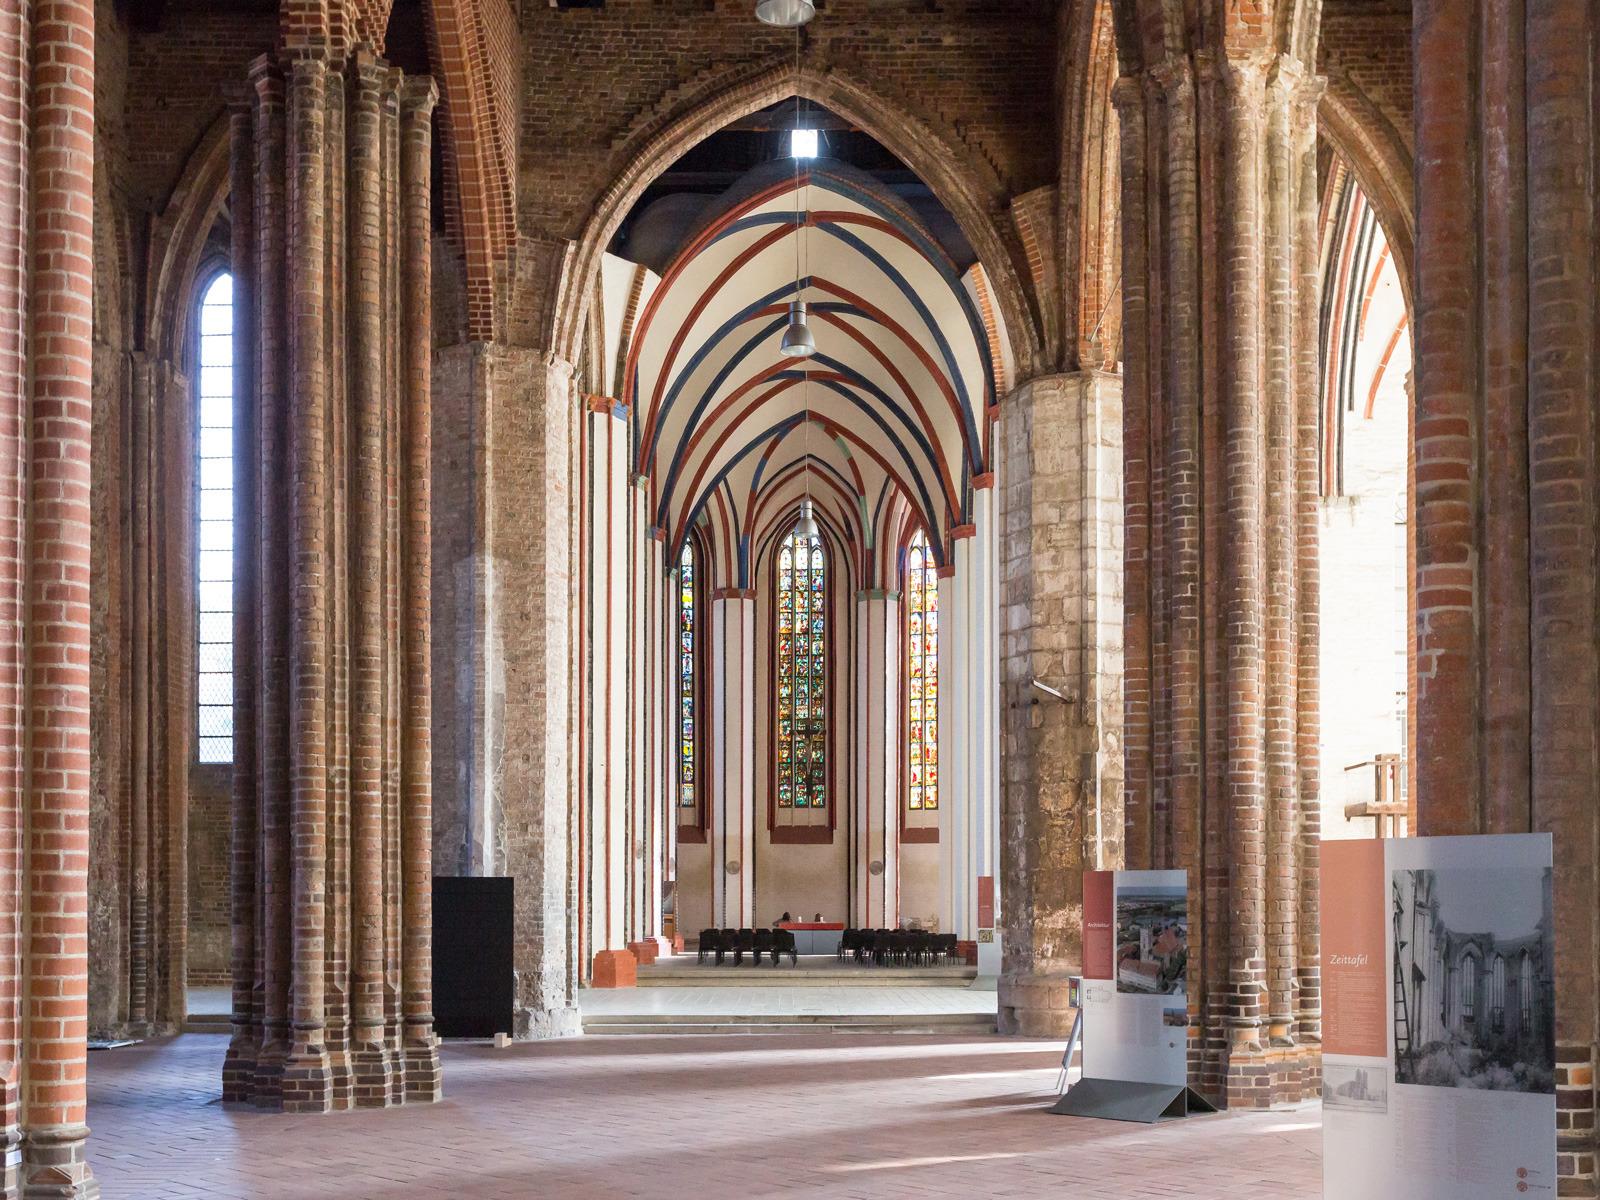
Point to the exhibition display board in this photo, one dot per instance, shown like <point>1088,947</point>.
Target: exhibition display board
<point>1438,1018</point>
<point>1135,976</point>
<point>1135,998</point>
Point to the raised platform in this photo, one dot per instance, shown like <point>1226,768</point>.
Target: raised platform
<point>814,970</point>
<point>788,1000</point>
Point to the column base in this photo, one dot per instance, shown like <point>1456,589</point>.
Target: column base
<point>11,1165</point>
<point>238,1068</point>
<point>341,1078</point>
<point>371,1074</point>
<point>1035,1006</point>
<point>538,1024</point>
<point>55,1164</point>
<point>1271,1076</point>
<point>307,1081</point>
<point>266,1090</point>
<point>645,952</point>
<point>614,969</point>
<point>424,1076</point>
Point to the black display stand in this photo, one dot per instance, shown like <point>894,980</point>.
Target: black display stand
<point>474,988</point>
<point>1123,1100</point>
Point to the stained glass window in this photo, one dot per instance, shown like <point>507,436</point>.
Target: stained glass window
<point>688,632</point>
<point>214,524</point>
<point>802,674</point>
<point>922,675</point>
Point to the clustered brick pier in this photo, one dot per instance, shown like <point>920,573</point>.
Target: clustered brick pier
<point>1508,353</point>
<point>1219,187</point>
<point>332,768</point>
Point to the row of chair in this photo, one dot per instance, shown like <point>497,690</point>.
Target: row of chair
<point>754,942</point>
<point>897,947</point>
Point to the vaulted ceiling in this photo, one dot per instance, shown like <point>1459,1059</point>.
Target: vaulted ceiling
<point>890,414</point>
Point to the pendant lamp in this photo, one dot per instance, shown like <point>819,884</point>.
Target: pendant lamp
<point>797,339</point>
<point>806,526</point>
<point>785,14</point>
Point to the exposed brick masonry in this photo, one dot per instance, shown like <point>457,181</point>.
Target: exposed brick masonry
<point>1219,316</point>
<point>1508,350</point>
<point>332,927</point>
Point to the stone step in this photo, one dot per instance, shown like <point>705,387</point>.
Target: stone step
<point>814,970</point>
<point>207,1023</point>
<point>786,976</point>
<point>768,1023</point>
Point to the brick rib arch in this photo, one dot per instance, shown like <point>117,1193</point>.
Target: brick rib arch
<point>473,47</point>
<point>1382,166</point>
<point>971,193</point>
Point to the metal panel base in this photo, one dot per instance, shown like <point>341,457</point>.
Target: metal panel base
<point>1122,1100</point>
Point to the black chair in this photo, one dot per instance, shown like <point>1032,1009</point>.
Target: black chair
<point>710,943</point>
<point>921,947</point>
<point>947,946</point>
<point>882,948</point>
<point>729,943</point>
<point>847,944</point>
<point>900,947</point>
<point>783,943</point>
<point>744,942</point>
<point>764,944</point>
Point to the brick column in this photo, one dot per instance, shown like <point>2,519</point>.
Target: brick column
<point>14,219</point>
<point>268,339</point>
<point>369,621</point>
<point>238,1070</point>
<point>59,300</point>
<point>333,790</point>
<point>306,1078</point>
<point>1060,624</point>
<point>422,1075</point>
<point>1508,358</point>
<point>1219,422</point>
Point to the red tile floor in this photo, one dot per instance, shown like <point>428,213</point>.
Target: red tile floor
<point>844,1115</point>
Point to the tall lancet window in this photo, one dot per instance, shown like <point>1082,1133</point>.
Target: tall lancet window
<point>922,675</point>
<point>802,674</point>
<point>214,524</point>
<point>688,687</point>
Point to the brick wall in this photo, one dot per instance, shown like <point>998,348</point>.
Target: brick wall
<point>982,69</point>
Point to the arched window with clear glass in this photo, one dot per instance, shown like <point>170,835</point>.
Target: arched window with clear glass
<point>922,675</point>
<point>214,523</point>
<point>688,686</point>
<point>801,674</point>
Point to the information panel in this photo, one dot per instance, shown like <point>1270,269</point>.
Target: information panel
<point>1438,1066</point>
<point>1135,976</point>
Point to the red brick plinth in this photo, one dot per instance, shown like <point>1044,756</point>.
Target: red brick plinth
<point>967,952</point>
<point>614,969</point>
<point>645,952</point>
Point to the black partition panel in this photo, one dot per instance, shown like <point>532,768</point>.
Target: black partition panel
<point>473,984</point>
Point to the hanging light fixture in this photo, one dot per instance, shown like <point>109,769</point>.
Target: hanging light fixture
<point>806,526</point>
<point>797,340</point>
<point>785,14</point>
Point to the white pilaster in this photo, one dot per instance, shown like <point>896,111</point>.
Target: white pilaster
<point>732,817</point>
<point>875,899</point>
<point>608,551</point>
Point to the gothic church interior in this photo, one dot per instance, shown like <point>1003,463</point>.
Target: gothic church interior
<point>817,475</point>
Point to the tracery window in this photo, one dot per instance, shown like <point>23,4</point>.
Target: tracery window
<point>214,524</point>
<point>922,675</point>
<point>688,613</point>
<point>1497,993</point>
<point>1525,994</point>
<point>1469,986</point>
<point>801,674</point>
